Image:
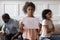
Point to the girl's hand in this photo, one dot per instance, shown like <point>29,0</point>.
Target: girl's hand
<point>40,26</point>
<point>51,30</point>
<point>4,33</point>
<point>21,27</point>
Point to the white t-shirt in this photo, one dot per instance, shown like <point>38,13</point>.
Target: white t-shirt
<point>50,25</point>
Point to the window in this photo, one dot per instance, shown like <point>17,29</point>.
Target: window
<point>56,13</point>
<point>12,10</point>
<point>22,14</point>
<point>39,9</point>
<point>1,12</point>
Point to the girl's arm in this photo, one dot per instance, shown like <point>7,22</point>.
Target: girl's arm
<point>46,29</point>
<point>21,26</point>
<point>53,28</point>
<point>49,30</point>
<point>40,26</point>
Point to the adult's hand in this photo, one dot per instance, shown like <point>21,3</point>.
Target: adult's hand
<point>12,38</point>
<point>3,34</point>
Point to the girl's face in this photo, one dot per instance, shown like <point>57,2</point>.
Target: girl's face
<point>30,11</point>
<point>49,15</point>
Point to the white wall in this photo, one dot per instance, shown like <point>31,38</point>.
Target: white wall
<point>14,9</point>
<point>1,12</point>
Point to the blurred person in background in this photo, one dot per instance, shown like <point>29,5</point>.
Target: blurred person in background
<point>47,25</point>
<point>10,27</point>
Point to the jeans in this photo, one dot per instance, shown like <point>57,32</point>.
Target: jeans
<point>20,37</point>
<point>47,38</point>
<point>51,38</point>
<point>56,37</point>
<point>8,37</point>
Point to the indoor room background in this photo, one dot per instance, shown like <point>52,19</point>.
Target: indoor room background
<point>14,9</point>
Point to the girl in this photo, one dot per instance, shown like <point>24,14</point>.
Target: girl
<point>29,34</point>
<point>47,24</point>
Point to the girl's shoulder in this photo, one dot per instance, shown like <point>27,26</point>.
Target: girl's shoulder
<point>23,18</point>
<point>44,20</point>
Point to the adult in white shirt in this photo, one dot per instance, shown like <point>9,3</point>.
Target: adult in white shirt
<point>47,25</point>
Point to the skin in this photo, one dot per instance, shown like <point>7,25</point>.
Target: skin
<point>30,12</point>
<point>6,20</point>
<point>49,16</point>
<point>21,26</point>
